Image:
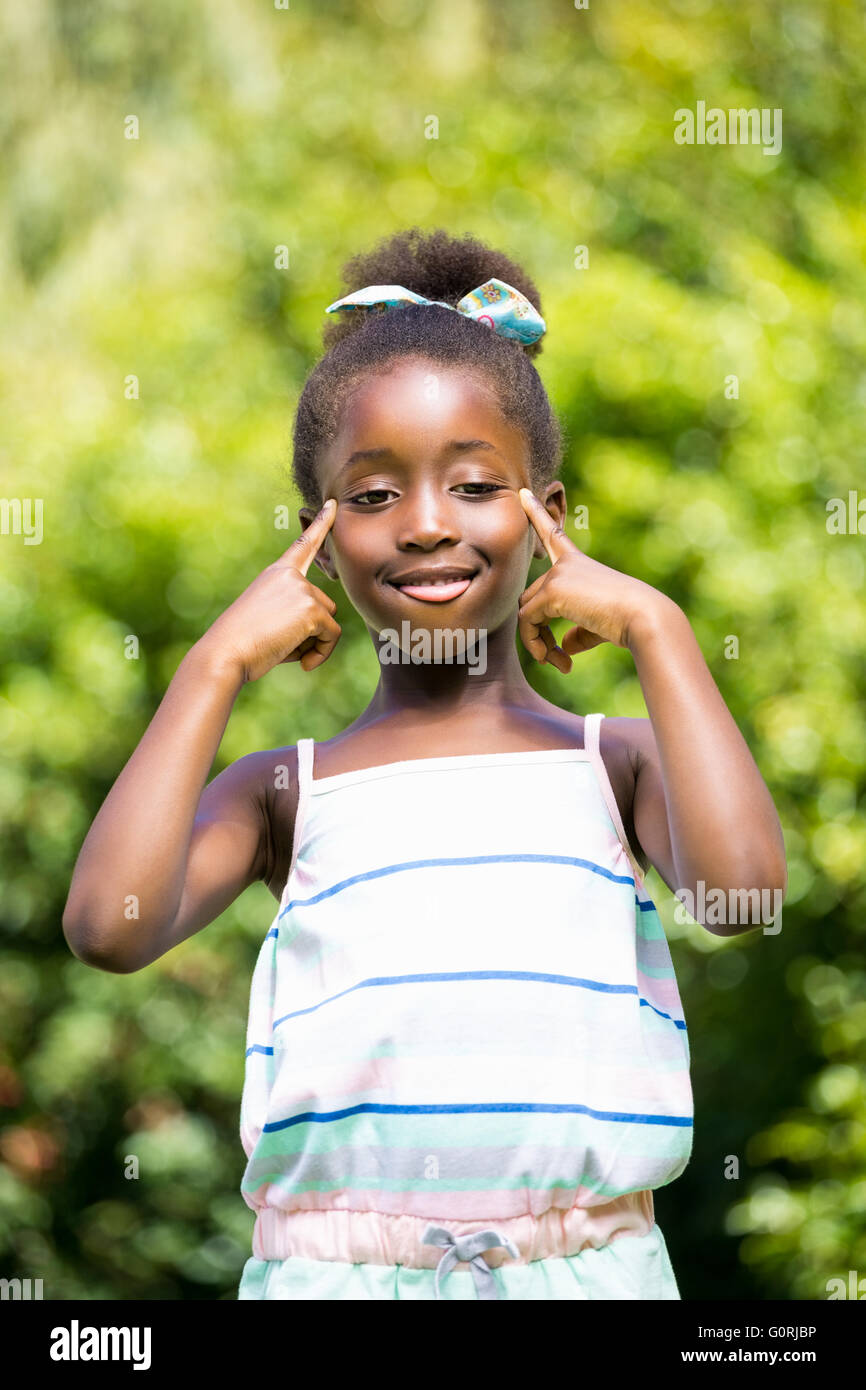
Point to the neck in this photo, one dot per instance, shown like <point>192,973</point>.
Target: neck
<point>477,678</point>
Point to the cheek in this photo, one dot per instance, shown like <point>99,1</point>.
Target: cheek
<point>357,562</point>
<point>495,518</point>
<point>510,539</point>
<point>352,555</point>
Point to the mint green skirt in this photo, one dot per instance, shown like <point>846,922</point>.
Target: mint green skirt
<point>632,1267</point>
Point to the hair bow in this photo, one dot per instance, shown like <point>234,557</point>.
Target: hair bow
<point>500,306</point>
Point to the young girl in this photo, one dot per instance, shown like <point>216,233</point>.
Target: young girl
<point>467,1066</point>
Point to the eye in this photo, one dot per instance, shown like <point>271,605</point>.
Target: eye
<point>377,492</point>
<point>488,487</point>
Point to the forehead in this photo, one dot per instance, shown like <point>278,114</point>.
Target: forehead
<point>417,401</point>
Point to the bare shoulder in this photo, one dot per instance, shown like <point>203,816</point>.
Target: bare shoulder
<point>628,738</point>
<point>625,744</point>
<point>280,800</point>
<point>265,786</point>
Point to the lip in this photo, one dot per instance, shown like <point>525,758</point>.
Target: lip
<point>432,574</point>
<point>441,585</point>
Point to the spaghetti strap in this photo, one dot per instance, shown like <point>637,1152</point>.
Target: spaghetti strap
<point>305,779</point>
<point>591,732</point>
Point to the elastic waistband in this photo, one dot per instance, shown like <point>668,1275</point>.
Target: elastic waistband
<point>372,1237</point>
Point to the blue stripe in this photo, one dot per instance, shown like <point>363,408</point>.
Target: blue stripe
<point>257,1047</point>
<point>482,975</point>
<point>473,859</point>
<point>677,1022</point>
<point>325,1117</point>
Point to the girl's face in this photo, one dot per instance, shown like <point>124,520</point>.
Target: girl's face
<point>425,469</point>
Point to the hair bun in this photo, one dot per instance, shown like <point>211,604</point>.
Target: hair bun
<point>433,264</point>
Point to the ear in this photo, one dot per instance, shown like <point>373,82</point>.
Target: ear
<point>554,499</point>
<point>324,560</point>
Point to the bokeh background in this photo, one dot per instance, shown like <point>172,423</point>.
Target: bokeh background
<point>155,258</point>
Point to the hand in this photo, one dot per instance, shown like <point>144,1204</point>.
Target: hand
<point>282,616</point>
<point>602,602</point>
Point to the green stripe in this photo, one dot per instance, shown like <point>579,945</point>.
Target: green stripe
<point>429,1185</point>
<point>438,1134</point>
<point>648,924</point>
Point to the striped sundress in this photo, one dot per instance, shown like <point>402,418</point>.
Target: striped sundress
<point>467,1066</point>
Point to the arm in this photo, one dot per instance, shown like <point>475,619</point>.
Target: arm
<point>164,857</point>
<point>702,811</point>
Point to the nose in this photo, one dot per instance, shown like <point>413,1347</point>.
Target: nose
<point>427,518</point>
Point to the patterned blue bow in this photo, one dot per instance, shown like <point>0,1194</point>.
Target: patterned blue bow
<point>500,306</point>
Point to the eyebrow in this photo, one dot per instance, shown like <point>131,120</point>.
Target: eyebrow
<point>453,446</point>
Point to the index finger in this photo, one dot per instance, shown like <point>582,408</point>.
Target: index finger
<point>552,536</point>
<point>302,552</point>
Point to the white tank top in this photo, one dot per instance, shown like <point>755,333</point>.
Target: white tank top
<point>465,1007</point>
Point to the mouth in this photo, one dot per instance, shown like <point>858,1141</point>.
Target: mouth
<point>434,586</point>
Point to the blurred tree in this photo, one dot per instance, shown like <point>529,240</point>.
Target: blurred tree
<point>709,365</point>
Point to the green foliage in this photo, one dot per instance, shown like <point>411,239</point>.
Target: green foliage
<point>155,258</point>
